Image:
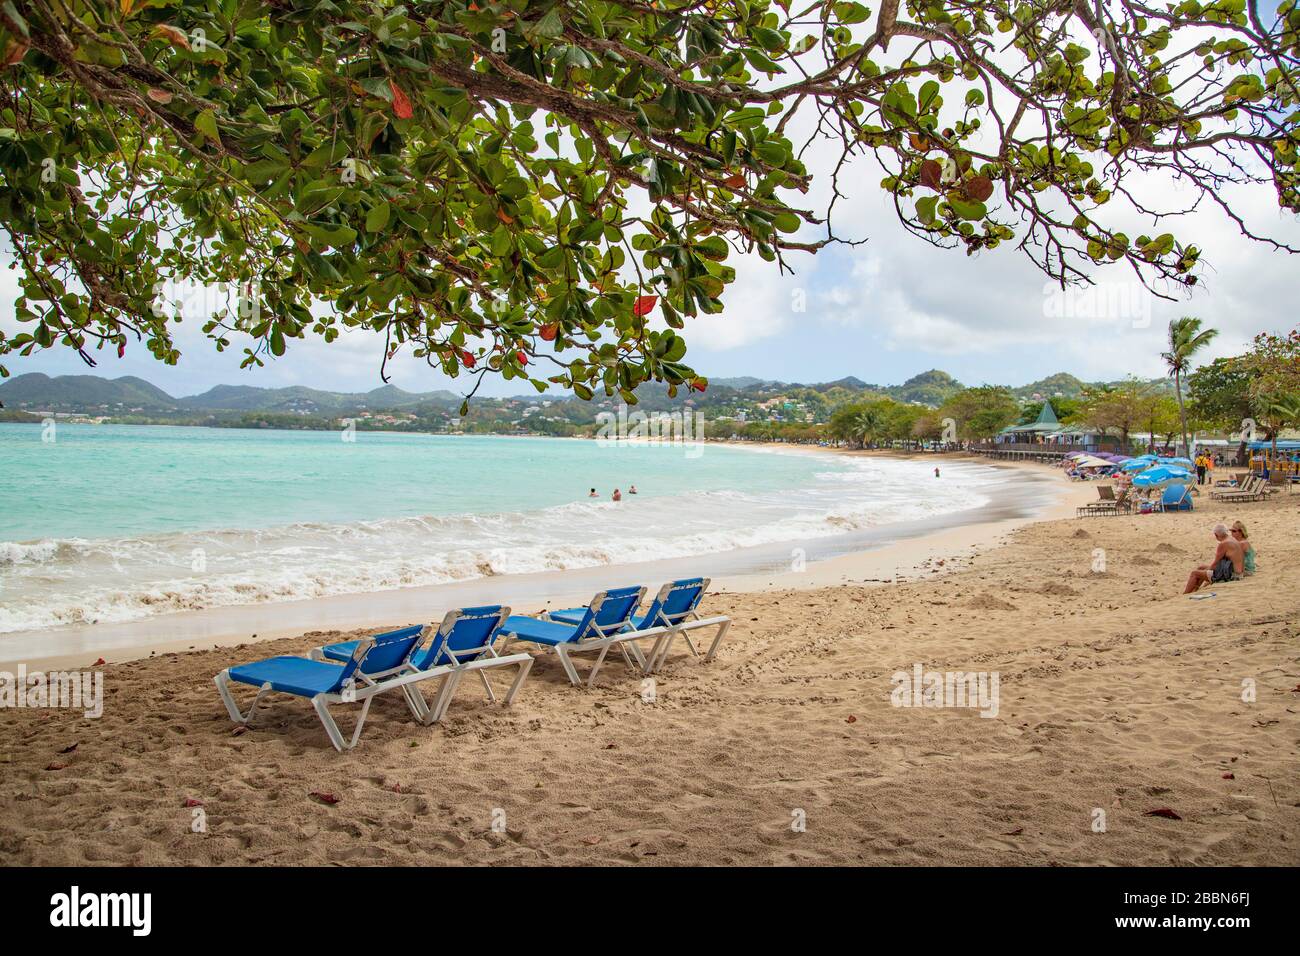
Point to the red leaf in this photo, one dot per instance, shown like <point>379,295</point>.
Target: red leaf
<point>56,766</point>
<point>159,96</point>
<point>121,349</point>
<point>850,719</point>
<point>698,385</point>
<point>99,663</point>
<point>1162,812</point>
<point>644,303</point>
<point>978,188</point>
<point>401,105</point>
<point>466,358</point>
<point>14,51</point>
<point>550,331</point>
<point>173,35</point>
<point>324,796</point>
<point>1229,776</point>
<point>522,356</point>
<point>505,217</point>
<point>735,180</point>
<point>192,802</point>
<point>931,172</point>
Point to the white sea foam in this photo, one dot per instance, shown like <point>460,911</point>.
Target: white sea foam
<point>55,582</point>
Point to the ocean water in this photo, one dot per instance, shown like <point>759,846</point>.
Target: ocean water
<point>112,523</point>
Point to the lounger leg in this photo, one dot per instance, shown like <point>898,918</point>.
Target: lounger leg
<point>332,729</point>
<point>416,703</point>
<point>600,659</point>
<point>567,664</point>
<point>487,687</point>
<point>713,648</point>
<point>442,699</point>
<point>223,688</point>
<point>524,667</point>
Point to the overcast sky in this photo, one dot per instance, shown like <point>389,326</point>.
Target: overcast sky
<point>882,311</point>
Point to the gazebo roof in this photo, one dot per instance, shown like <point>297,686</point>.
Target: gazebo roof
<point>1047,422</point>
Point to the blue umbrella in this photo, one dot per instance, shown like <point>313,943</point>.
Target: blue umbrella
<point>1162,476</point>
<point>1135,464</point>
<point>1185,462</point>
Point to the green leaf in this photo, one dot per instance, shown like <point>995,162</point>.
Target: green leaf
<point>377,218</point>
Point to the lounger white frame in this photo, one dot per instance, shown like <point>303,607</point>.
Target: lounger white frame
<point>449,674</point>
<point>596,637</point>
<point>665,633</point>
<point>452,674</point>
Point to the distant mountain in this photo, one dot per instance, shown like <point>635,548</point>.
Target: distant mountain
<point>851,382</point>
<point>1060,385</point>
<point>929,388</point>
<point>741,382</point>
<point>36,390</point>
<point>90,394</point>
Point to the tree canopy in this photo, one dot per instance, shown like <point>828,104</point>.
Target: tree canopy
<point>551,189</point>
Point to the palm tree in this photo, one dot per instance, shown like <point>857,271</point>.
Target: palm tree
<point>1279,413</point>
<point>1186,338</point>
<point>867,425</point>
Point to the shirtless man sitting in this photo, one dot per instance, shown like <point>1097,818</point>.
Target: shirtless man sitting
<point>1226,564</point>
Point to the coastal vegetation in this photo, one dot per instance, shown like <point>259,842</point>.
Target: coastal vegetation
<point>549,191</point>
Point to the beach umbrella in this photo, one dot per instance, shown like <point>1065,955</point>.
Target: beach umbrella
<point>1162,476</point>
<point>1092,461</point>
<point>1135,464</point>
<point>1185,462</point>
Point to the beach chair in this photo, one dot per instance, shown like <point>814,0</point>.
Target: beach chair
<point>464,642</point>
<point>1105,501</point>
<point>674,610</point>
<point>1250,490</point>
<point>603,625</point>
<point>1181,501</point>
<point>325,683</point>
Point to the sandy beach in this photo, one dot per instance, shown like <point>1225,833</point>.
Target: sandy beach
<point>1119,696</point>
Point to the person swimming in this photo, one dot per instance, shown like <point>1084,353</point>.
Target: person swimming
<point>631,489</point>
<point>1248,558</point>
<point>617,495</point>
<point>593,494</point>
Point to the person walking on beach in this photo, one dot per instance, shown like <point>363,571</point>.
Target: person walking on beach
<point>1228,562</point>
<point>1200,468</point>
<point>936,473</point>
<point>617,495</point>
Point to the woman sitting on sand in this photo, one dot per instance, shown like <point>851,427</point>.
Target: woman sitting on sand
<point>1226,564</point>
<point>1248,550</point>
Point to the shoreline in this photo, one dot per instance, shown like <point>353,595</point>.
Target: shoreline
<point>889,553</point>
<point>1168,718</point>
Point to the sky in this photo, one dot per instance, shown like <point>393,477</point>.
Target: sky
<point>882,311</point>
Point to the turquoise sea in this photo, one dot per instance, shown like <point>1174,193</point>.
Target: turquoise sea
<point>115,523</point>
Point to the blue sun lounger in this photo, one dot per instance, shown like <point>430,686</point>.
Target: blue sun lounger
<point>675,610</point>
<point>325,683</point>
<point>465,641</point>
<point>601,625</point>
